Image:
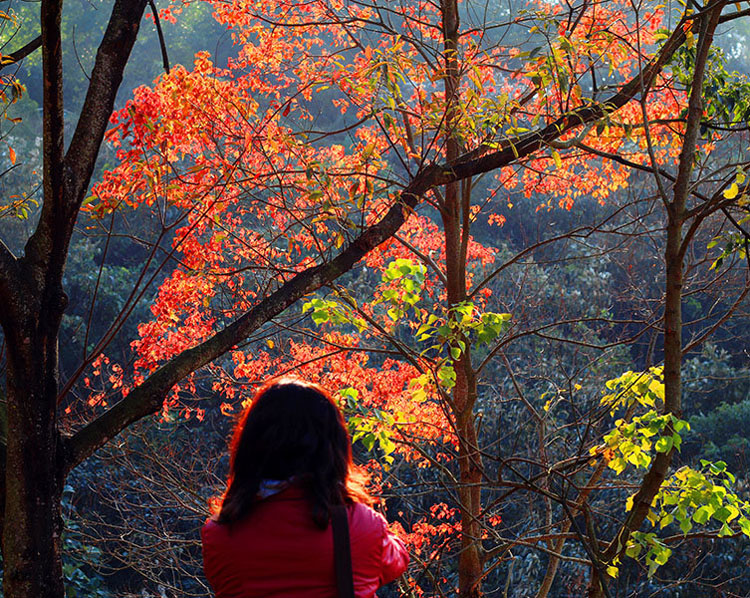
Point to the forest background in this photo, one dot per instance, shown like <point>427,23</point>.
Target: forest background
<point>512,238</point>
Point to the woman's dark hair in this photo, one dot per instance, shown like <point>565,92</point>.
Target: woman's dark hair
<point>291,429</point>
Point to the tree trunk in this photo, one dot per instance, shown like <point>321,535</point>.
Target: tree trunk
<point>654,478</point>
<point>464,392</point>
<point>34,462</point>
<point>470,568</point>
<point>674,254</point>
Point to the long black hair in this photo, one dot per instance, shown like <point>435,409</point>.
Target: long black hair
<point>292,429</point>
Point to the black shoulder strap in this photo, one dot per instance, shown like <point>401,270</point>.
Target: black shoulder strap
<point>342,553</point>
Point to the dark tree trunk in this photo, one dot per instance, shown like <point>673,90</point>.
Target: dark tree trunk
<point>33,466</point>
<point>34,460</point>
<point>33,303</point>
<point>33,525</point>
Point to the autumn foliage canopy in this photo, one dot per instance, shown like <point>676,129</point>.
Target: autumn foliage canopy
<point>332,118</point>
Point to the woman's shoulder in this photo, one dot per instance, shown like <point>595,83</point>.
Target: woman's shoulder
<point>279,505</point>
<point>365,520</point>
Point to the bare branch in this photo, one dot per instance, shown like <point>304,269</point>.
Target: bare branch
<point>21,53</point>
<point>162,43</point>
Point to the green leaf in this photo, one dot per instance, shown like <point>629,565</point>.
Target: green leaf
<point>664,444</point>
<point>744,524</point>
<point>685,525</point>
<point>447,376</point>
<point>368,440</point>
<point>633,550</point>
<point>557,159</point>
<point>349,394</point>
<point>725,531</point>
<point>702,515</point>
<point>320,317</point>
<point>733,512</point>
<point>666,520</point>
<point>662,556</point>
<point>722,514</point>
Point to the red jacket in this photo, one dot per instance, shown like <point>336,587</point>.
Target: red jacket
<point>279,552</point>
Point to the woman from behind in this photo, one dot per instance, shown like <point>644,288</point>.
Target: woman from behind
<point>290,469</point>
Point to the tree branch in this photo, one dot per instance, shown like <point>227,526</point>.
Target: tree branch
<point>39,247</point>
<point>148,398</point>
<point>106,77</point>
<point>468,165</point>
<point>22,52</point>
<point>160,35</point>
<point>673,350</point>
<point>67,175</point>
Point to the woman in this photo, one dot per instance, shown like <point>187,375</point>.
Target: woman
<point>290,465</point>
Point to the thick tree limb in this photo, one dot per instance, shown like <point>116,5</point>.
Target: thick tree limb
<point>39,247</point>
<point>531,142</point>
<point>22,52</point>
<point>67,176</point>
<point>148,398</point>
<point>106,76</point>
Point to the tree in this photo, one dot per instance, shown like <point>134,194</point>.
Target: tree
<point>553,81</point>
<point>248,171</point>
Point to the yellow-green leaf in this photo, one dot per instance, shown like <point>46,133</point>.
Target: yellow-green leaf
<point>557,159</point>
<point>732,191</point>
